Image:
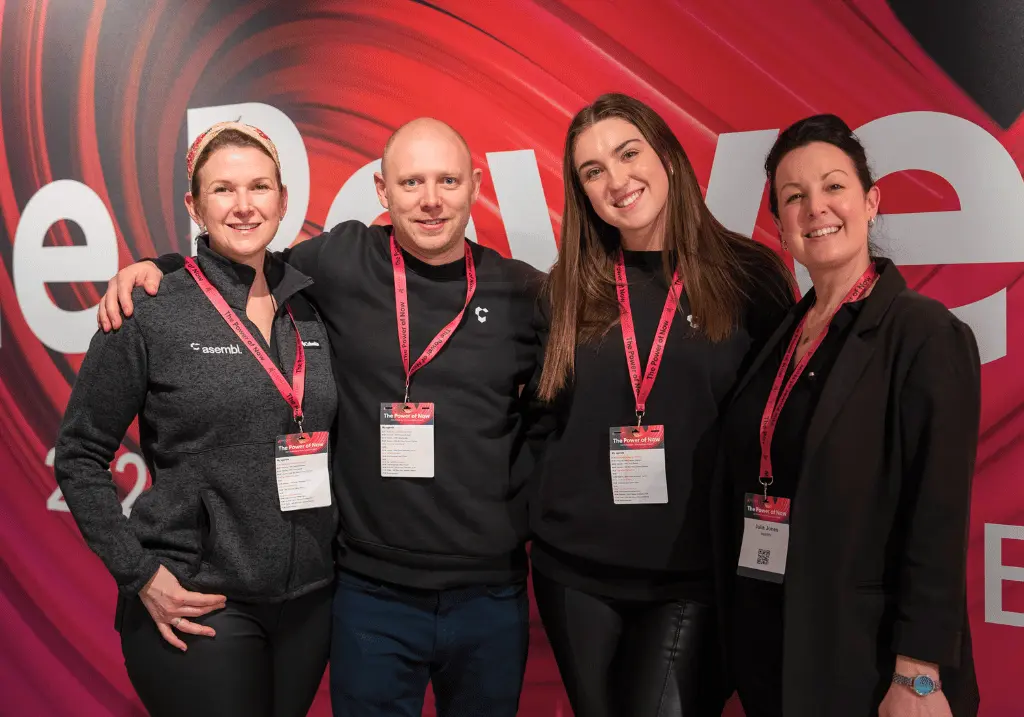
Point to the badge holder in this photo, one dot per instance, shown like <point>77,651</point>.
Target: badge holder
<point>637,455</point>
<point>407,440</point>
<point>765,543</point>
<point>303,470</point>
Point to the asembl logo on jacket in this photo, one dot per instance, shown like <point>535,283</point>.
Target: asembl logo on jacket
<point>232,349</point>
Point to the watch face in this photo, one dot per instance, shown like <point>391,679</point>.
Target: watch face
<point>924,685</point>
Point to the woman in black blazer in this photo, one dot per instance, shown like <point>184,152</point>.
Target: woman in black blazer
<point>842,545</point>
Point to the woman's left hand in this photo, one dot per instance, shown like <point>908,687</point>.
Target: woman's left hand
<point>901,701</point>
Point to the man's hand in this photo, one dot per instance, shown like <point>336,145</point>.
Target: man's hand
<point>119,293</point>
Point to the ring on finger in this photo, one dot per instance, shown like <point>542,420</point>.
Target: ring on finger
<point>175,622</point>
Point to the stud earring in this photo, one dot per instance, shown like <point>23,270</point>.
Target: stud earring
<point>871,222</point>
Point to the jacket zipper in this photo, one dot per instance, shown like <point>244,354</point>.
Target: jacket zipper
<point>268,347</point>
<point>291,563</point>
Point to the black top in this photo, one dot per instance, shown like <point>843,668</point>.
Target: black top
<point>758,626</point>
<point>467,525</point>
<point>209,418</point>
<point>642,552</point>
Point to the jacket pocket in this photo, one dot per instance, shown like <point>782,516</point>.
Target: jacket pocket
<point>207,527</point>
<point>351,581</point>
<point>872,587</point>
<point>250,548</point>
<point>167,521</point>
<point>506,592</point>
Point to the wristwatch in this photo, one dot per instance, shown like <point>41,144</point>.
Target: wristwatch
<point>922,685</point>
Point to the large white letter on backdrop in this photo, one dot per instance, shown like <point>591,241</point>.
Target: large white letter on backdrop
<point>35,265</point>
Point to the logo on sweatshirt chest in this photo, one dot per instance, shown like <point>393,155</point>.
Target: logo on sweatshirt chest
<point>233,349</point>
<point>229,349</point>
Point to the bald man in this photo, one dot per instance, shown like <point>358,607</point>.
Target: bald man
<point>431,339</point>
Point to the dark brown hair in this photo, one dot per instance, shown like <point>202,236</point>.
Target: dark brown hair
<point>228,138</point>
<point>718,266</point>
<point>817,128</point>
<point>829,129</point>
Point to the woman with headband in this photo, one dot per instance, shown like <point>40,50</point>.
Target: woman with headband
<point>224,568</point>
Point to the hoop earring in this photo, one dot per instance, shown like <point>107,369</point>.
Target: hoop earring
<point>782,241</point>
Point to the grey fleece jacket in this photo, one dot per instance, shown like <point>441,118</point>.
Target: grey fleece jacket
<point>209,416</point>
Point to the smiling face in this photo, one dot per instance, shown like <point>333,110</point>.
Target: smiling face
<point>239,201</point>
<point>823,208</point>
<point>623,177</point>
<point>428,185</point>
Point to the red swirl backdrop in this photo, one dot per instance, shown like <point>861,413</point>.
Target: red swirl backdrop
<point>99,98</point>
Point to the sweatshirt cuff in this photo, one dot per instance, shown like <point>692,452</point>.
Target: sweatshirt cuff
<point>146,570</point>
<point>927,644</point>
<point>166,263</point>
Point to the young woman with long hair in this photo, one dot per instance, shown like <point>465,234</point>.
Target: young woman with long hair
<point>647,317</point>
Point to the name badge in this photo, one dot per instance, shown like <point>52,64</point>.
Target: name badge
<point>638,465</point>
<point>765,538</point>
<point>407,440</point>
<point>303,476</point>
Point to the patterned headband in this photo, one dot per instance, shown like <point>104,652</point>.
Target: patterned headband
<point>204,139</point>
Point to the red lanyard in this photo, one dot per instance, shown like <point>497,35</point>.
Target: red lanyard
<point>291,394</point>
<point>642,386</point>
<point>778,396</point>
<point>402,309</point>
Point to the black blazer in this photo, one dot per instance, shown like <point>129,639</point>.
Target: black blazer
<point>878,537</point>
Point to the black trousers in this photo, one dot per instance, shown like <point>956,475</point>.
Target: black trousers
<point>267,660</point>
<point>632,659</point>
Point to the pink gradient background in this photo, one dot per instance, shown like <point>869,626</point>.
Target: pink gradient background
<point>97,92</point>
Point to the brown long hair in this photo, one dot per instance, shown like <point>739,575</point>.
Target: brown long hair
<point>718,266</point>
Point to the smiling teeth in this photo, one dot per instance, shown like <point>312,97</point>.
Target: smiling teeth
<point>244,227</point>
<point>628,199</point>
<point>822,232</point>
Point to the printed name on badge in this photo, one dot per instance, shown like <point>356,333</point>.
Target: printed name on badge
<point>765,538</point>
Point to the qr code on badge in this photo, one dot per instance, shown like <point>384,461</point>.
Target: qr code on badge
<point>763,556</point>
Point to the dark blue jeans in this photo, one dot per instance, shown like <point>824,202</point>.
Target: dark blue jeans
<point>388,642</point>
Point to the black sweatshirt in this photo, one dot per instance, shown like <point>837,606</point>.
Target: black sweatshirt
<point>639,552</point>
<point>468,524</point>
<point>209,417</point>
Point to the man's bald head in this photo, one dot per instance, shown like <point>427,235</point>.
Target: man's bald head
<point>428,185</point>
<point>422,129</point>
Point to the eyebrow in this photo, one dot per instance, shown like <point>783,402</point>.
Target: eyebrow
<point>267,178</point>
<point>794,184</point>
<point>458,173</point>
<point>614,151</point>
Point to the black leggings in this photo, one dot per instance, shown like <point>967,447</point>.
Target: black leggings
<point>267,660</point>
<point>632,659</point>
